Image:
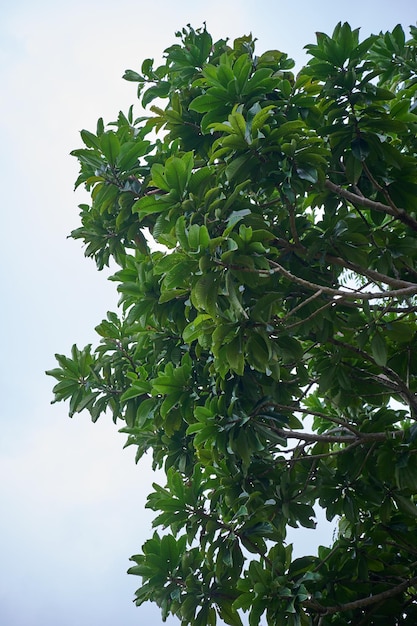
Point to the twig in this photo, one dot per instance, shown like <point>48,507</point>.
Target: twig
<point>379,188</point>
<point>314,313</point>
<point>324,455</point>
<point>300,306</point>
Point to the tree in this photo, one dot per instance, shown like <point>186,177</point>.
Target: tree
<point>267,358</point>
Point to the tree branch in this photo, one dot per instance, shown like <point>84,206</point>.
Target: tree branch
<point>313,438</point>
<point>363,602</point>
<point>324,455</point>
<point>356,295</point>
<point>379,188</point>
<point>354,198</point>
<point>300,306</point>
<point>389,377</point>
<point>329,418</point>
<point>354,267</point>
<point>369,273</point>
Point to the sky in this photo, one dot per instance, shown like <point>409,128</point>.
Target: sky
<point>72,500</point>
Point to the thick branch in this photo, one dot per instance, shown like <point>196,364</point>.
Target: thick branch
<point>355,198</point>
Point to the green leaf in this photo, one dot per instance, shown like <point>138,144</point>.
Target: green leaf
<point>158,177</point>
<point>176,174</point>
<point>353,169</point>
<point>205,293</point>
<point>235,218</point>
<point>228,614</point>
<point>133,76</point>
<point>130,152</point>
<point>360,148</point>
<point>110,146</point>
<point>145,411</point>
<point>307,172</point>
<point>195,328</point>
<point>90,140</point>
<point>138,388</point>
<point>208,101</point>
<point>260,118</point>
<point>161,90</point>
<point>238,168</point>
<point>406,505</point>
<point>379,349</point>
<point>234,355</point>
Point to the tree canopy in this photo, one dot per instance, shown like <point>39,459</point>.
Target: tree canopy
<point>267,358</point>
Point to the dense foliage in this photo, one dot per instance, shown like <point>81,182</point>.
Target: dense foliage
<point>268,358</point>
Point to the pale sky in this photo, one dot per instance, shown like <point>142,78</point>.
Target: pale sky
<point>72,501</point>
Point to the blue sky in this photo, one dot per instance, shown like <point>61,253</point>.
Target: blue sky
<point>72,501</point>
